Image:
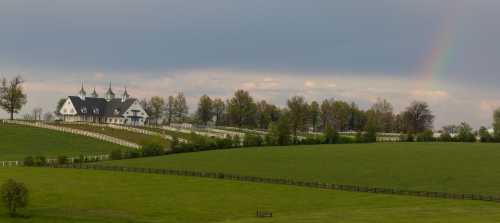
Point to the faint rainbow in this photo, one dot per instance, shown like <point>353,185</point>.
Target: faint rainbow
<point>436,61</point>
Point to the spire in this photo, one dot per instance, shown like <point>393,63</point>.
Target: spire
<point>94,94</point>
<point>109,94</point>
<point>82,94</point>
<point>125,95</point>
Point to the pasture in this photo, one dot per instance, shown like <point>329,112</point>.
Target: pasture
<point>17,142</point>
<point>444,167</point>
<point>87,196</point>
<point>134,137</point>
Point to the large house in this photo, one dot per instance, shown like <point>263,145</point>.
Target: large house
<point>110,110</point>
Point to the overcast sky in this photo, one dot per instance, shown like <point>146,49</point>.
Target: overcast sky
<point>444,52</point>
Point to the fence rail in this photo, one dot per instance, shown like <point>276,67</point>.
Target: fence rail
<point>309,184</point>
<point>76,132</point>
<point>130,129</point>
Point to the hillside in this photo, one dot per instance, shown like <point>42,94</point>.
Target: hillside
<point>446,167</point>
<point>18,141</point>
<point>100,196</point>
<point>134,137</point>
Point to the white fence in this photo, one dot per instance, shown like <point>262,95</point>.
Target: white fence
<point>132,129</point>
<point>76,132</point>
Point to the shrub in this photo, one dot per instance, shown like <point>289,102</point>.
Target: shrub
<point>40,161</point>
<point>426,136</point>
<point>62,160</point>
<point>252,140</point>
<point>175,141</point>
<point>445,137</point>
<point>312,140</point>
<point>236,141</point>
<point>346,140</point>
<point>29,161</point>
<point>116,154</point>
<point>152,149</point>
<point>14,196</point>
<point>133,153</point>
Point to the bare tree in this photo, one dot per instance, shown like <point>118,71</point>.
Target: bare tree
<point>12,96</point>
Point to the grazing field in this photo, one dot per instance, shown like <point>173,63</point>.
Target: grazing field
<point>99,196</point>
<point>134,137</point>
<point>442,167</point>
<point>17,142</point>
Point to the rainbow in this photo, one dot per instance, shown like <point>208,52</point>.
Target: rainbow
<point>435,63</point>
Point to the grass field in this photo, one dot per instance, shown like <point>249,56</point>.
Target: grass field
<point>137,138</point>
<point>17,142</point>
<point>452,167</point>
<point>99,196</point>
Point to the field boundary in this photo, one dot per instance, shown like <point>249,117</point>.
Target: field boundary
<point>76,132</point>
<point>278,181</point>
<point>130,129</point>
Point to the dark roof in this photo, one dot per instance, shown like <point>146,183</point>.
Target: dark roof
<point>101,107</point>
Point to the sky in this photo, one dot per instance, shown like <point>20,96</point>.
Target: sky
<point>443,52</point>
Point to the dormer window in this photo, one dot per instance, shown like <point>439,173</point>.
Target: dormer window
<point>117,111</point>
<point>96,111</point>
<point>84,110</point>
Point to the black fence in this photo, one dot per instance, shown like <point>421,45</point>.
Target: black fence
<point>318,185</point>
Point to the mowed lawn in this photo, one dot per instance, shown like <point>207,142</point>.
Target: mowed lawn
<point>442,167</point>
<point>17,142</point>
<point>66,195</point>
<point>137,138</point>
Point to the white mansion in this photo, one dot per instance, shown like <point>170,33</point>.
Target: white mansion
<point>111,110</point>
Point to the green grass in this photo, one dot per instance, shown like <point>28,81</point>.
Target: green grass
<point>137,138</point>
<point>444,167</point>
<point>17,142</point>
<point>86,196</point>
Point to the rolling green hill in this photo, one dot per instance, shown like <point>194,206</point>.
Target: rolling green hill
<point>445,167</point>
<point>17,142</point>
<point>87,196</point>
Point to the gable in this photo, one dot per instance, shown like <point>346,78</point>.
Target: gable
<point>135,108</point>
<point>68,108</point>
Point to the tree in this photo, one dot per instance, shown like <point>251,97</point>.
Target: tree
<point>418,117</point>
<point>37,114</point>
<point>205,109</point>
<point>145,103</point>
<point>370,131</point>
<point>157,105</point>
<point>14,196</point>
<point>298,115</point>
<point>496,125</point>
<point>382,112</point>
<point>327,112</point>
<point>314,115</point>
<point>357,118</point>
<point>59,106</point>
<point>48,117</point>
<point>341,112</point>
<point>219,108</point>
<point>181,109</point>
<point>465,133</point>
<point>12,96</point>
<point>242,109</point>
<point>331,135</point>
<point>484,135</point>
<point>279,132</point>
<point>170,110</point>
<point>264,114</point>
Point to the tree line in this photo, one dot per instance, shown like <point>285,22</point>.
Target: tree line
<point>243,111</point>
